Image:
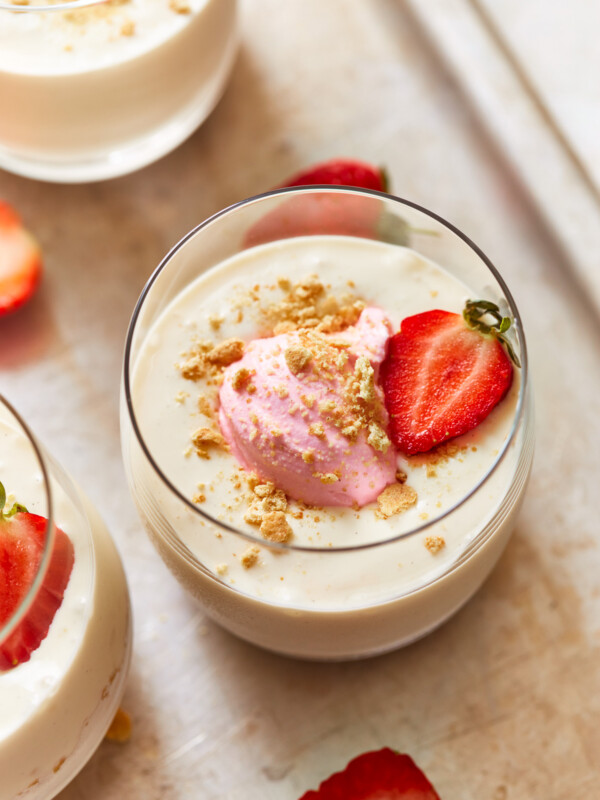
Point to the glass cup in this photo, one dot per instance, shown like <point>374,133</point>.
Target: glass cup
<point>59,699</point>
<point>104,88</point>
<point>359,594</point>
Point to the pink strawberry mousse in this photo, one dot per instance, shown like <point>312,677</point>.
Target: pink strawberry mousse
<point>303,410</point>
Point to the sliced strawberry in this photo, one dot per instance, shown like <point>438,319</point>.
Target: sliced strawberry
<point>22,538</point>
<point>342,172</point>
<point>441,378</point>
<point>20,261</point>
<point>378,775</point>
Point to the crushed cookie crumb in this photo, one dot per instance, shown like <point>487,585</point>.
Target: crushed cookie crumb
<point>434,544</point>
<point>431,470</point>
<point>241,377</point>
<point>221,569</point>
<point>205,406</point>
<point>204,438</point>
<point>226,352</point>
<point>215,322</point>
<point>250,557</point>
<point>395,499</point>
<point>180,7</point>
<point>181,397</point>
<point>128,28</point>
<point>317,429</point>
<point>297,358</point>
<point>275,527</point>
<point>199,498</point>
<point>366,382</point>
<point>377,438</point>
<point>120,728</point>
<point>401,476</point>
<point>326,477</point>
<point>308,456</point>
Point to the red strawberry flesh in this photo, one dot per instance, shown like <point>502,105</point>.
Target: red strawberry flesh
<point>20,261</point>
<point>377,775</point>
<point>341,172</point>
<point>22,539</point>
<point>441,379</point>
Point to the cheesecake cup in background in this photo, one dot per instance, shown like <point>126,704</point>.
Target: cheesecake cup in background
<point>348,583</point>
<point>58,700</point>
<point>99,91</point>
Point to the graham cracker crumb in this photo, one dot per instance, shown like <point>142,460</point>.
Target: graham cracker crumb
<point>241,377</point>
<point>365,374</point>
<point>250,557</point>
<point>431,471</point>
<point>308,456</point>
<point>378,438</point>
<point>181,397</point>
<point>205,406</point>
<point>179,7</point>
<point>199,498</point>
<point>297,358</point>
<point>128,28</point>
<point>204,438</point>
<point>395,499</point>
<point>326,477</point>
<point>317,429</point>
<point>434,544</point>
<point>226,352</point>
<point>221,569</point>
<point>306,305</point>
<point>401,476</point>
<point>275,527</point>
<point>120,727</point>
<point>215,322</point>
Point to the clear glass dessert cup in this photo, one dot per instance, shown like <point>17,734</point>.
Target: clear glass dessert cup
<point>380,601</point>
<point>104,88</point>
<point>58,701</point>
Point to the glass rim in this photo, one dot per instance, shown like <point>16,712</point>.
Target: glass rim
<point>66,5</point>
<point>287,546</point>
<point>16,618</point>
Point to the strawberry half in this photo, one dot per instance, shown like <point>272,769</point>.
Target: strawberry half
<point>22,538</point>
<point>342,172</point>
<point>444,373</point>
<point>20,261</point>
<point>378,775</point>
<point>328,214</point>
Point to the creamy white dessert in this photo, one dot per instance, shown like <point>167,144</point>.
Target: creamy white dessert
<point>311,590</point>
<point>57,706</point>
<point>97,91</point>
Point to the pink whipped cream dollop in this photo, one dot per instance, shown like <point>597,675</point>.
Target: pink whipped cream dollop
<point>304,410</point>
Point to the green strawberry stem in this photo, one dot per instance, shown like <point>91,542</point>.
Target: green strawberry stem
<point>474,313</point>
<point>16,508</point>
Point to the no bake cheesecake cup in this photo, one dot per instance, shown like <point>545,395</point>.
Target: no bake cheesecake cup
<point>102,89</point>
<point>56,707</point>
<point>367,606</point>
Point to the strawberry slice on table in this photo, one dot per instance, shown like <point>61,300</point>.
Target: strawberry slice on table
<point>22,539</point>
<point>444,373</point>
<point>378,775</point>
<point>342,172</point>
<point>20,261</point>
